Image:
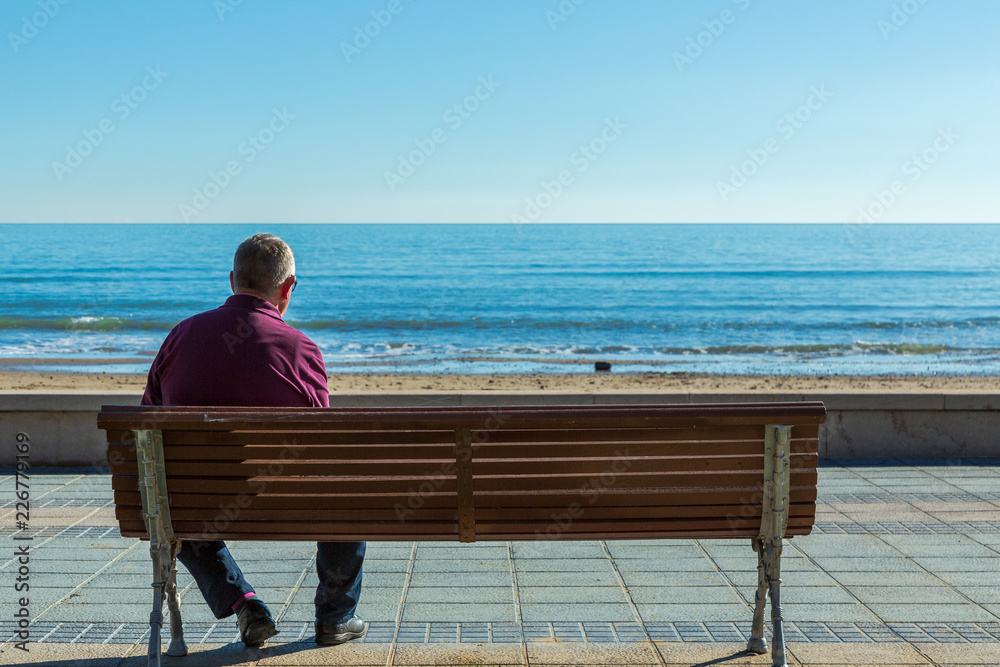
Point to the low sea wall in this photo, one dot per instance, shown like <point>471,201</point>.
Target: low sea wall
<point>62,427</point>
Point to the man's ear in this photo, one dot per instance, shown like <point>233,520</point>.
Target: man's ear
<point>232,281</point>
<point>286,288</point>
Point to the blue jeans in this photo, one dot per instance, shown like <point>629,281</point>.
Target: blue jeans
<point>222,584</point>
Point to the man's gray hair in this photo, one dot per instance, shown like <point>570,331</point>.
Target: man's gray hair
<point>262,263</point>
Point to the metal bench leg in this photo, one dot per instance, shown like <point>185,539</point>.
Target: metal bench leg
<point>757,643</point>
<point>774,581</point>
<point>163,548</point>
<point>156,616</point>
<point>177,646</point>
<point>773,522</point>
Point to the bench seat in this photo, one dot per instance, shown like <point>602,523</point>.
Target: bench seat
<point>470,473</point>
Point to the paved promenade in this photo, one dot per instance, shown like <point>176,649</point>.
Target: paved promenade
<point>903,568</point>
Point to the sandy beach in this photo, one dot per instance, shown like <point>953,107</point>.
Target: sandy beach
<point>13,379</point>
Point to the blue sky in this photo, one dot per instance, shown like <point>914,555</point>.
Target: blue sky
<point>602,111</point>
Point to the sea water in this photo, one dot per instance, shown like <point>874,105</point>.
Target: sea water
<point>790,299</point>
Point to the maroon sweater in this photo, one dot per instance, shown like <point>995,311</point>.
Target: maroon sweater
<point>241,353</point>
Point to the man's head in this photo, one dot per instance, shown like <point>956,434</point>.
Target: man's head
<point>264,267</point>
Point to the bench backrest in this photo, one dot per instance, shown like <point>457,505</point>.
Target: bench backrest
<point>469,473</point>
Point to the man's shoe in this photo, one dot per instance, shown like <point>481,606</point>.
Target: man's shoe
<point>328,635</point>
<point>256,624</point>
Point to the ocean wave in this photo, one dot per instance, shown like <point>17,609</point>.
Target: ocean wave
<point>626,327</point>
<point>826,350</point>
<point>82,323</point>
<point>569,352</point>
<point>782,325</point>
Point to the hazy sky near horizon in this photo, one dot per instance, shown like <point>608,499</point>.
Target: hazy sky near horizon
<point>499,111</point>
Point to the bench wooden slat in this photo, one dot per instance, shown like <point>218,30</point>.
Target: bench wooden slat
<point>400,513</point>
<point>505,537</point>
<point>772,406</point>
<point>800,410</point>
<point>619,480</point>
<point>569,417</point>
<point>527,422</point>
<point>549,436</point>
<point>591,498</point>
<point>361,537</point>
<point>530,535</point>
<point>799,446</point>
<point>446,515</point>
<point>205,529</point>
<point>252,467</point>
<point>389,528</point>
<point>444,483</point>
<point>297,486</point>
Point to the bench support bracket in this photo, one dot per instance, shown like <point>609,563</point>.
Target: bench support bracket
<point>463,474</point>
<point>768,543</point>
<point>163,547</point>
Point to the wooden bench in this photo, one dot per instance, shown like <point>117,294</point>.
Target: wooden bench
<point>594,472</point>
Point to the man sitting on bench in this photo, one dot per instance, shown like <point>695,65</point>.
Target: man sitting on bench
<point>244,354</point>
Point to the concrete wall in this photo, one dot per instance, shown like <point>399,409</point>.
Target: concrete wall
<point>62,427</point>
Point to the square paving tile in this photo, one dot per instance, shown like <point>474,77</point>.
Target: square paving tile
<point>459,594</point>
<point>699,564</point>
<point>693,611</point>
<point>959,654</point>
<point>913,595</point>
<point>981,594</point>
<point>825,612</point>
<point>887,579</point>
<point>547,549</point>
<point>678,595</point>
<point>455,612</point>
<point>478,552</point>
<point>957,564</point>
<point>564,565</point>
<point>570,595</point>
<point>680,579</point>
<point>455,654</point>
<point>930,613</point>
<point>460,565</point>
<point>815,594</point>
<point>591,654</point>
<point>867,564</point>
<point>722,653</point>
<point>856,654</point>
<point>467,579</point>
<point>665,551</point>
<point>851,546</point>
<point>588,612</point>
<point>568,579</point>
<point>306,653</point>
